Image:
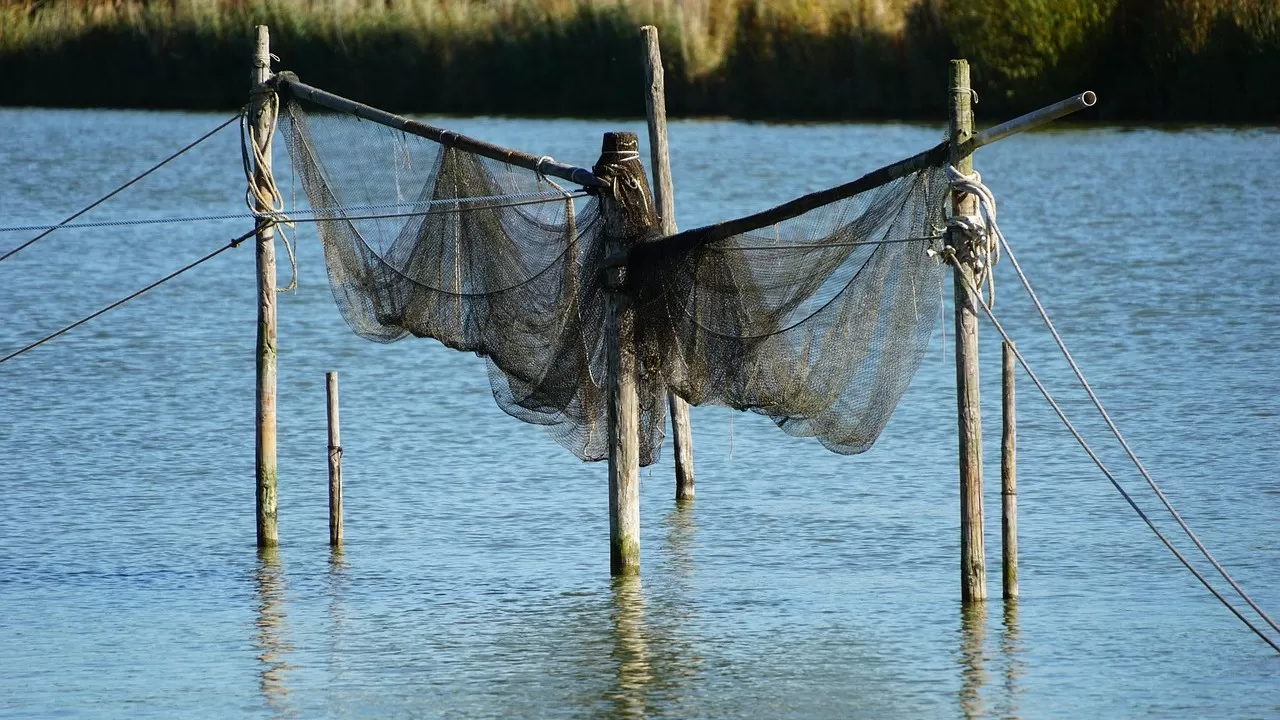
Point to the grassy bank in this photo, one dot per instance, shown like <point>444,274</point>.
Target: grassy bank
<point>1156,60</point>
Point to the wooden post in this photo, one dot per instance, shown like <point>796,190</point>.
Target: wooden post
<point>664,197</point>
<point>335,460</point>
<point>1009,477</point>
<point>627,209</point>
<point>973,563</point>
<point>261,115</point>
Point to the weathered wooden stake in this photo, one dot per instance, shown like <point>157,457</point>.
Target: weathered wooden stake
<point>335,460</point>
<point>627,209</point>
<point>664,196</point>
<point>973,563</point>
<point>1009,477</point>
<point>261,116</point>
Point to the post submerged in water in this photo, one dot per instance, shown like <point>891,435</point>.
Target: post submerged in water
<point>664,198</point>
<point>973,564</point>
<point>627,210</point>
<point>1009,476</point>
<point>335,460</point>
<point>261,118</point>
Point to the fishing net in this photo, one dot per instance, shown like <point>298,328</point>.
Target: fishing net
<point>818,321</point>
<point>426,240</point>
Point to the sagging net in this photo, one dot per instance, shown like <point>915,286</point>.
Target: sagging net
<point>421,239</point>
<point>818,322</point>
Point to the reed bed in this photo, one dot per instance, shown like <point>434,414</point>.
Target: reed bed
<point>1153,60</point>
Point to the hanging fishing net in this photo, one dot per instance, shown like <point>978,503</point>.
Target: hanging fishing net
<point>817,321</point>
<point>426,240</point>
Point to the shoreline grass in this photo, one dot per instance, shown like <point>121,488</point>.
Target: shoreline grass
<point>1149,60</point>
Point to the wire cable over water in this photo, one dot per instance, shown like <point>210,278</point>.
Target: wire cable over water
<point>129,297</point>
<point>428,207</point>
<point>50,228</point>
<point>1035,379</point>
<point>990,234</point>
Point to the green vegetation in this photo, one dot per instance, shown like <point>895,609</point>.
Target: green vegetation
<point>1155,60</point>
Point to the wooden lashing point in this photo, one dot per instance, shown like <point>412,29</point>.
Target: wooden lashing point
<point>627,208</point>
<point>664,197</point>
<point>1009,476</point>
<point>973,563</point>
<point>335,460</point>
<point>262,119</point>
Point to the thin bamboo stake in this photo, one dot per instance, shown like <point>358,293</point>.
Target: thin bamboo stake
<point>973,563</point>
<point>265,434</point>
<point>335,460</point>
<point>1009,476</point>
<point>664,197</point>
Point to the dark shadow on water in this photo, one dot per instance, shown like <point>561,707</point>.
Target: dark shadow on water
<point>271,639</point>
<point>972,658</point>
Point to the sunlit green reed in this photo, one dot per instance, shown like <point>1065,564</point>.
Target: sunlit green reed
<point>790,59</point>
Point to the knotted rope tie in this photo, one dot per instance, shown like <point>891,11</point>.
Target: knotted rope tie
<point>981,232</point>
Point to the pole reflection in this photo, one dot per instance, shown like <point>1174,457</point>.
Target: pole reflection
<point>337,591</point>
<point>271,637</point>
<point>630,649</point>
<point>972,659</point>
<point>1011,649</point>
<point>681,529</point>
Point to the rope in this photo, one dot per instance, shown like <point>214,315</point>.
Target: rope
<point>988,241</point>
<point>129,297</point>
<point>1110,477</point>
<point>50,228</point>
<point>518,198</point>
<point>265,194</point>
<point>1115,431</point>
<point>981,231</point>
<point>824,246</point>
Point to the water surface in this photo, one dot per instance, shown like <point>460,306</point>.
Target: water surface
<point>474,581</point>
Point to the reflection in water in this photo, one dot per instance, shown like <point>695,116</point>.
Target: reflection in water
<point>973,672</point>
<point>337,589</point>
<point>681,529</point>
<point>271,639</point>
<point>1011,649</point>
<point>630,648</point>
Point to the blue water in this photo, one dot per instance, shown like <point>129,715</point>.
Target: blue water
<point>474,581</point>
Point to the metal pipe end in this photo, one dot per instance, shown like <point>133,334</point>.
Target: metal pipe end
<point>1088,98</point>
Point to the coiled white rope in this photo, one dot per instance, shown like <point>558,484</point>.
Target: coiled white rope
<point>981,231</point>
<point>267,194</point>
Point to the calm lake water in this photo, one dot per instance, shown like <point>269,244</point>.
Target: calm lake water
<point>474,581</point>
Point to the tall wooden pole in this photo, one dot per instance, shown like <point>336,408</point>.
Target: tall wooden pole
<point>1009,477</point>
<point>335,460</point>
<point>664,197</point>
<point>261,116</point>
<point>973,563</point>
<point>626,206</point>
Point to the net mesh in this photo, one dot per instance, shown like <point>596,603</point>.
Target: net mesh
<point>818,322</point>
